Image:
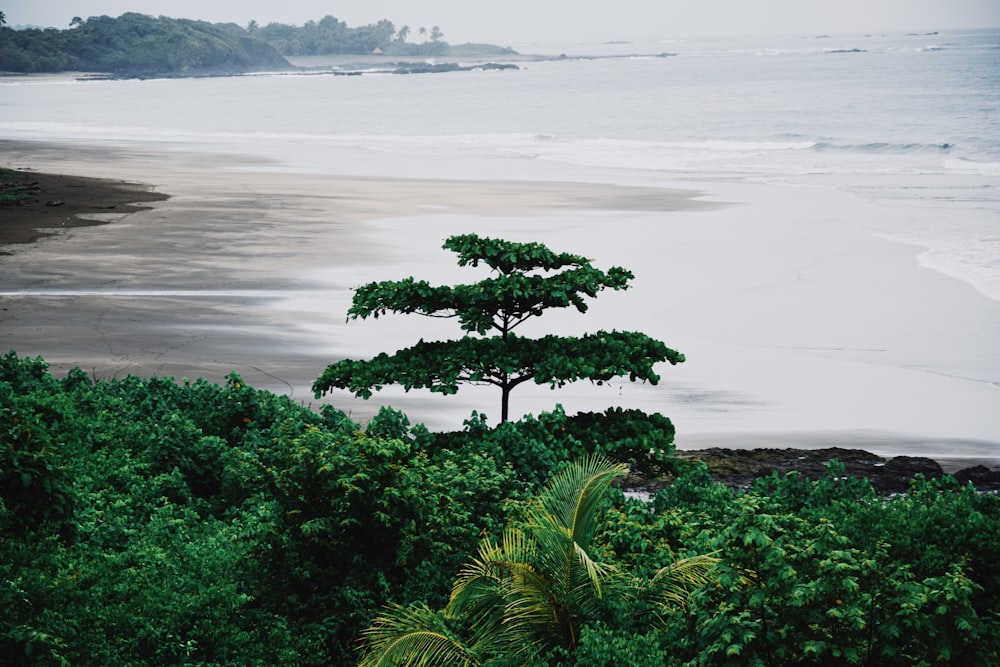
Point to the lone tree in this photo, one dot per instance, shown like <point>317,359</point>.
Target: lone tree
<point>527,279</point>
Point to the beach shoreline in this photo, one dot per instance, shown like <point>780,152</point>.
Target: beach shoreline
<point>248,268</point>
<point>57,202</point>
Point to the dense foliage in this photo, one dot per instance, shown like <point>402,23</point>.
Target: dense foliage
<point>331,36</point>
<point>140,45</point>
<point>136,45</point>
<point>531,591</point>
<point>154,522</point>
<point>526,280</point>
<point>162,522</point>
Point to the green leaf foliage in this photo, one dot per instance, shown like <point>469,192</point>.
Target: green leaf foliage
<point>153,521</point>
<point>444,366</point>
<point>534,591</point>
<point>162,522</point>
<point>526,280</point>
<point>136,45</point>
<point>828,572</point>
<point>537,447</point>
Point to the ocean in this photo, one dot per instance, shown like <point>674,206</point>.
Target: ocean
<point>909,118</point>
<point>909,123</point>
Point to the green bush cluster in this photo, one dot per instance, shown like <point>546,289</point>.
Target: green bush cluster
<point>153,521</point>
<point>817,572</point>
<point>157,522</point>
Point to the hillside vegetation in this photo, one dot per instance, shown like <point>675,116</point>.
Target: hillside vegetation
<point>137,45</point>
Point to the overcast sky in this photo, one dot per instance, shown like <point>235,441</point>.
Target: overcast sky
<point>507,22</point>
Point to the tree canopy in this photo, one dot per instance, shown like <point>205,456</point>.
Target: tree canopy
<point>527,279</point>
<point>136,45</point>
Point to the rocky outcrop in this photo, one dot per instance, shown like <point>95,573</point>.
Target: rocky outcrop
<point>738,468</point>
<point>435,68</point>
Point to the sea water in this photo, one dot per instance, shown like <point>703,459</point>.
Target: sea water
<point>909,122</point>
<point>905,118</point>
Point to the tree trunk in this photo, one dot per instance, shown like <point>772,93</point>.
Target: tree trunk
<point>504,402</point>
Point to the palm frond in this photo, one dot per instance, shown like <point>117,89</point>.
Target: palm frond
<point>413,636</point>
<point>673,583</point>
<point>492,566</point>
<point>498,592</point>
<point>596,574</point>
<point>574,494</point>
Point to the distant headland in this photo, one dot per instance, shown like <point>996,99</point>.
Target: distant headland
<point>136,45</point>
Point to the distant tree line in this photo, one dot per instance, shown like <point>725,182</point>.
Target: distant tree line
<point>331,36</point>
<point>135,44</point>
<point>138,44</point>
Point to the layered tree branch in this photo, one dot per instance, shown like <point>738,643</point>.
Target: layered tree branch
<point>526,279</point>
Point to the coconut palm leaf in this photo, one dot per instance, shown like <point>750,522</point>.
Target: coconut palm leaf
<point>672,584</point>
<point>485,586</point>
<point>574,495</point>
<point>414,636</point>
<point>531,590</point>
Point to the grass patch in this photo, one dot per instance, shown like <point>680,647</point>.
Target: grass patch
<point>14,190</point>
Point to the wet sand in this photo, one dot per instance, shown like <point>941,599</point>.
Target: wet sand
<point>201,283</point>
<point>808,335</point>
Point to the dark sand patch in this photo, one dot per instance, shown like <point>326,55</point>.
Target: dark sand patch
<point>54,202</point>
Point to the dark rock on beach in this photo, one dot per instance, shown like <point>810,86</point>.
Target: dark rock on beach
<point>738,468</point>
<point>981,477</point>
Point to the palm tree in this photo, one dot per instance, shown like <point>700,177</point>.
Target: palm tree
<point>529,592</point>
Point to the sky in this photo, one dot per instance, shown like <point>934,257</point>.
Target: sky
<point>508,22</point>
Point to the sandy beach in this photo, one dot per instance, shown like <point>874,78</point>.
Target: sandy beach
<point>206,281</point>
<point>812,333</point>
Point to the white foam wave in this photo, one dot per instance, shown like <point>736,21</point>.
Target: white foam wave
<point>766,158</point>
<point>973,261</point>
<point>968,166</point>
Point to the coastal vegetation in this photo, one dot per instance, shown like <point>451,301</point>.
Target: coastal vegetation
<point>153,521</point>
<point>181,522</point>
<point>139,45</point>
<point>136,45</point>
<point>526,280</point>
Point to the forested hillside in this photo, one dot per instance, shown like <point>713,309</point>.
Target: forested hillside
<point>140,45</point>
<point>136,45</point>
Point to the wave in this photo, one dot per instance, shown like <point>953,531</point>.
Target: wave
<point>974,261</point>
<point>793,154</point>
<point>885,147</point>
<point>968,166</point>
<point>777,52</point>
